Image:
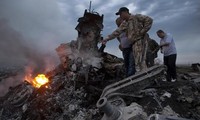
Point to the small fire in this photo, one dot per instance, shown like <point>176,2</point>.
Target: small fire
<point>38,81</point>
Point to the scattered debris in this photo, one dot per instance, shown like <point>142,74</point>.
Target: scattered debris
<point>131,112</point>
<point>196,67</point>
<point>166,94</point>
<point>87,76</point>
<point>164,117</point>
<point>167,111</point>
<point>197,80</point>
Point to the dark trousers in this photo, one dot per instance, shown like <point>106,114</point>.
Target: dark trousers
<point>170,62</point>
<point>150,59</point>
<point>129,61</point>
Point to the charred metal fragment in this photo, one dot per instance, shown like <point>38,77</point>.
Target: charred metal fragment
<point>136,82</point>
<point>196,67</point>
<point>111,112</point>
<point>89,28</point>
<point>20,94</point>
<point>163,117</point>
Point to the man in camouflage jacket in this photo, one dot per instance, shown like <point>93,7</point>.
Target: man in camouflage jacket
<point>136,27</point>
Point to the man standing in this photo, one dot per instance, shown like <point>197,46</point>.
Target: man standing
<point>152,52</point>
<point>127,52</point>
<point>135,27</point>
<point>168,48</point>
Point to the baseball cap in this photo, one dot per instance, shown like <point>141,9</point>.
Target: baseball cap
<point>122,9</point>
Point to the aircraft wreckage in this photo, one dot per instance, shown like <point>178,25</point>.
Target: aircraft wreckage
<point>89,84</point>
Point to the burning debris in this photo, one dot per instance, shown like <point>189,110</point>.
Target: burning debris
<point>89,84</point>
<point>38,81</point>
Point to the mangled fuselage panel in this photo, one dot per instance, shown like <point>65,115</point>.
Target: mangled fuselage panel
<point>89,28</point>
<point>85,47</point>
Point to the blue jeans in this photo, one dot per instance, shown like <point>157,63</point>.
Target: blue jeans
<point>129,61</point>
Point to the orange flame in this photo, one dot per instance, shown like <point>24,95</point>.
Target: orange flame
<point>38,81</point>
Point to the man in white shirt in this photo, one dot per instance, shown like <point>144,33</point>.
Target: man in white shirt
<point>168,49</point>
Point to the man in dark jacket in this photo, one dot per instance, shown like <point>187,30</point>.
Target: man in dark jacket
<point>152,52</point>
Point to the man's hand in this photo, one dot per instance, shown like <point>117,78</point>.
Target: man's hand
<point>104,41</point>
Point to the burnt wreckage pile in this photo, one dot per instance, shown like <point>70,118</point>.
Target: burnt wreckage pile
<point>90,84</point>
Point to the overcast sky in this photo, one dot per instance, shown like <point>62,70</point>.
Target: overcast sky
<point>44,24</point>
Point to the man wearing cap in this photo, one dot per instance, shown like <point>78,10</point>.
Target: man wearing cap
<point>136,27</point>
<point>127,52</point>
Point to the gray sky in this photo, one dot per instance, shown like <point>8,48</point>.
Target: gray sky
<point>42,25</point>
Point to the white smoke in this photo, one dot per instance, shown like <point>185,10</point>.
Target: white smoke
<point>5,84</point>
<point>29,33</point>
